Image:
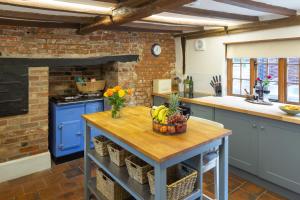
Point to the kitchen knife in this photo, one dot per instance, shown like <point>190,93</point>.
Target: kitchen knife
<point>212,85</point>
<point>220,79</point>
<point>215,81</point>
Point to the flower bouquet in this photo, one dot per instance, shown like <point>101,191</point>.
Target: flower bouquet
<point>116,98</point>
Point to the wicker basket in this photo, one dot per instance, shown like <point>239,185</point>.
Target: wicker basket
<point>180,181</point>
<point>91,87</point>
<point>117,154</point>
<point>100,143</point>
<point>109,188</point>
<point>137,169</point>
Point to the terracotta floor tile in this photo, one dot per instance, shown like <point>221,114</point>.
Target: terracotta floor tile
<point>34,186</point>
<point>54,179</point>
<point>253,189</point>
<point>65,182</point>
<point>73,172</point>
<point>241,195</point>
<point>50,192</point>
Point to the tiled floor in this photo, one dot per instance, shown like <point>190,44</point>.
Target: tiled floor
<point>65,181</point>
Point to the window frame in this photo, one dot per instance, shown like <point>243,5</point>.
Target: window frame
<point>286,83</point>
<point>282,78</point>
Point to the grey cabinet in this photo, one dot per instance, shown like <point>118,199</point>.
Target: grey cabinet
<point>279,153</point>
<point>202,111</point>
<point>266,148</point>
<point>243,143</point>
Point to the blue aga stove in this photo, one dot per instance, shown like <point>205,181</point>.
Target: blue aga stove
<point>66,136</point>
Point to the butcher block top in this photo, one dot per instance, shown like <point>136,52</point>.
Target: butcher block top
<point>238,104</point>
<point>134,128</point>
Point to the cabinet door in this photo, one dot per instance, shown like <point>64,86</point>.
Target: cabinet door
<point>279,148</point>
<point>93,107</point>
<point>157,101</point>
<point>243,143</point>
<point>69,129</point>
<point>202,111</point>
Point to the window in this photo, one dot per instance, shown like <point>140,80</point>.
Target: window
<point>292,80</point>
<point>240,76</point>
<point>266,67</point>
<point>284,85</point>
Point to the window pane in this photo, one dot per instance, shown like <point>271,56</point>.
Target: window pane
<point>273,60</point>
<point>236,60</point>
<point>293,60</point>
<point>236,86</point>
<point>245,60</point>
<point>236,71</point>
<point>262,60</point>
<point>261,71</point>
<point>273,71</point>
<point>245,71</point>
<point>273,87</point>
<point>293,93</point>
<point>245,85</point>
<point>293,73</point>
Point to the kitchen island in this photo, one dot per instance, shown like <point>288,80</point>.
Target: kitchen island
<point>264,146</point>
<point>133,132</point>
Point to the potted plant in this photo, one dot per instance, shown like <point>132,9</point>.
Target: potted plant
<point>116,98</point>
<point>263,86</point>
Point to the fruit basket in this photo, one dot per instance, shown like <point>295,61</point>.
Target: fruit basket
<point>169,120</point>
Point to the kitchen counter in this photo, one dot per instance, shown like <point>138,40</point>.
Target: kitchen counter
<point>238,104</point>
<point>133,132</point>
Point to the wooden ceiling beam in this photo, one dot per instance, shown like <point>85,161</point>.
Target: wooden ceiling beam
<point>44,17</point>
<point>255,26</point>
<point>59,6</point>
<point>211,14</point>
<point>259,6</point>
<point>162,26</point>
<point>124,15</point>
<point>25,23</point>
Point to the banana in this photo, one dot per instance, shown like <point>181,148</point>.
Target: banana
<point>157,110</point>
<point>162,114</point>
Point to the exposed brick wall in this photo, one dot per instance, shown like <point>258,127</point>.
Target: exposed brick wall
<point>27,134</point>
<point>41,42</point>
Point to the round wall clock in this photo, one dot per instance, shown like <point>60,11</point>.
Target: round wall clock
<point>156,49</point>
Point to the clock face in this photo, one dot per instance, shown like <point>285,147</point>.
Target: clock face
<point>156,50</point>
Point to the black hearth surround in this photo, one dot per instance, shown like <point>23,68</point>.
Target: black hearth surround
<point>66,62</point>
<point>13,90</point>
<point>14,77</point>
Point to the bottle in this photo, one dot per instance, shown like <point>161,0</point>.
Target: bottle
<point>191,88</point>
<point>186,86</point>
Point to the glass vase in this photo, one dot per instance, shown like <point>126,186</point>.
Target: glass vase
<point>115,112</point>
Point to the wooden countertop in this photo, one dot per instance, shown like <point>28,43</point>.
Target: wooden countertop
<point>238,104</point>
<point>135,129</point>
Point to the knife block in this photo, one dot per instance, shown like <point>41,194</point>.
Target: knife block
<point>218,90</point>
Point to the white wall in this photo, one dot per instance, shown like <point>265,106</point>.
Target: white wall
<point>202,65</point>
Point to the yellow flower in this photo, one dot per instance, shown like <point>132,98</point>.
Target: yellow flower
<point>117,88</point>
<point>121,93</point>
<point>105,94</point>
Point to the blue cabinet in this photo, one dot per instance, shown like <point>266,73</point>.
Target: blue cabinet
<point>92,108</point>
<point>66,126</point>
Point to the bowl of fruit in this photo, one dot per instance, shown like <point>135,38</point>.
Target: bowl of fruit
<point>290,109</point>
<point>169,120</point>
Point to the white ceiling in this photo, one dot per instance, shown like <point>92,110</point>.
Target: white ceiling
<point>165,17</point>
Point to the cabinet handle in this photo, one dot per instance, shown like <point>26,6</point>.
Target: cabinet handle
<point>262,128</point>
<point>254,125</point>
<point>60,126</point>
